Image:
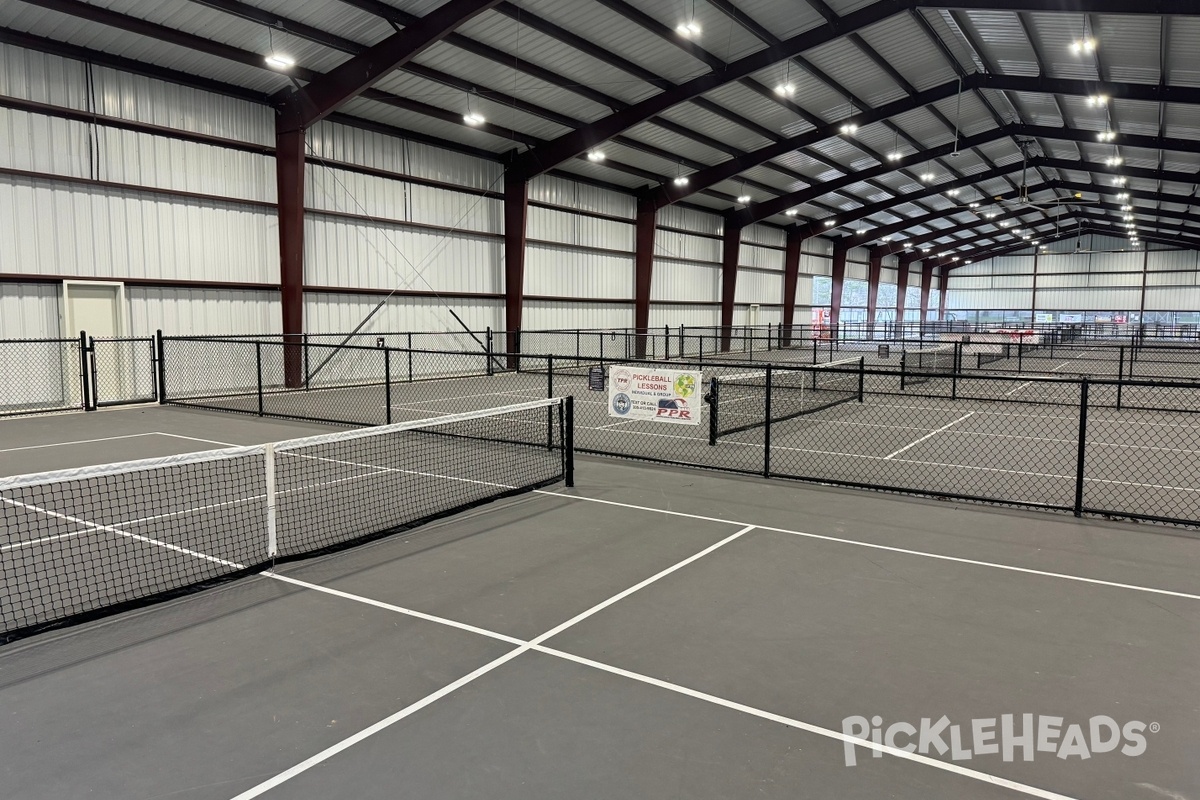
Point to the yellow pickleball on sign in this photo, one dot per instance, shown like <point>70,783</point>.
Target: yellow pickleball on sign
<point>685,386</point>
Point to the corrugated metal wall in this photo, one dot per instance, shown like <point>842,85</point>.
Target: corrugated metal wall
<point>200,312</point>
<point>29,311</point>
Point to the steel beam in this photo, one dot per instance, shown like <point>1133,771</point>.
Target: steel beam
<point>926,284</point>
<point>289,180</point>
<point>838,281</point>
<point>516,207</point>
<point>791,276</point>
<point>731,242</point>
<point>874,270</point>
<point>643,270</point>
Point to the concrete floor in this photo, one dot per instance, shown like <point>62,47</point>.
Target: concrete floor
<point>652,632</point>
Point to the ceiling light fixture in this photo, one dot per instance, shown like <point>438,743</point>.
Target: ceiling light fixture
<point>895,155</point>
<point>1123,196</point>
<point>1114,161</point>
<point>886,239</point>
<point>279,61</point>
<point>1127,208</point>
<point>973,205</point>
<point>595,155</point>
<point>471,118</point>
<point>907,244</point>
<point>849,129</point>
<point>952,192</point>
<point>1106,136</point>
<point>991,215</point>
<point>928,177</point>
<point>787,88</point>
<point>1085,45</point>
<point>743,199</point>
<point>925,249</point>
<point>682,180</point>
<point>829,223</point>
<point>1005,224</point>
<point>1119,182</point>
<point>689,29</point>
<point>791,212</point>
<point>1097,99</point>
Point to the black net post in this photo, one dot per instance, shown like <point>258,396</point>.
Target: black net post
<point>1082,452</point>
<point>387,383</point>
<point>567,425</point>
<point>714,388</point>
<point>160,369</point>
<point>93,373</point>
<point>258,371</point>
<point>84,371</point>
<point>767,428</point>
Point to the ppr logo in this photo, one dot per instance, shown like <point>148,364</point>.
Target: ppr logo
<point>981,737</point>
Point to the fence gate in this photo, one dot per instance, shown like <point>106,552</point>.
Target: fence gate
<point>122,371</point>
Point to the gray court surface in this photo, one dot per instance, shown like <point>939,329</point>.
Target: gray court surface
<point>653,632</point>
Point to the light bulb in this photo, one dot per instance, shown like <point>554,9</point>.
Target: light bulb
<point>743,199</point>
<point>688,29</point>
<point>595,155</point>
<point>829,223</point>
<point>279,61</point>
<point>785,89</point>
<point>471,118</point>
<point>791,212</point>
<point>895,155</point>
<point>682,180</point>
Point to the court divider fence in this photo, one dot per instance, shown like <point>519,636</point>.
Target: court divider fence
<point>82,373</point>
<point>1119,447</point>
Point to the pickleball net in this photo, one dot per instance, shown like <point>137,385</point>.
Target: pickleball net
<point>747,401</point>
<point>80,543</point>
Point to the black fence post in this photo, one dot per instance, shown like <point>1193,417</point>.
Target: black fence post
<point>1121,377</point>
<point>84,371</point>
<point>567,423</point>
<point>258,368</point>
<point>95,374</point>
<point>767,428</point>
<point>160,369</point>
<point>490,364</point>
<point>667,343</point>
<point>862,378</point>
<point>1082,453</point>
<point>549,376</point>
<point>903,367</point>
<point>387,383</point>
<point>714,391</point>
<point>410,358</point>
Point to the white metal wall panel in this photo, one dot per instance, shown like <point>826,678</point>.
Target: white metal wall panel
<point>140,159</point>
<point>202,312</point>
<point>568,272</point>
<point>135,97</point>
<point>856,272</point>
<point>333,142</point>
<point>689,220</point>
<point>457,169</point>
<point>352,254</point>
<point>39,143</point>
<point>887,275</point>
<point>817,246</point>
<point>1007,299</point>
<point>688,248</point>
<point>54,228</point>
<point>539,315</point>
<point>1078,299</point>
<point>676,315</point>
<point>385,199</point>
<point>861,255</point>
<point>1172,259</point>
<point>1063,263</point>
<point>1128,261</point>
<point>1172,279</point>
<point>1009,281</point>
<point>1004,265</point>
<point>555,225</point>
<point>584,197</point>
<point>804,290</point>
<point>761,257</point>
<point>44,78</point>
<point>815,265</point>
<point>759,287</point>
<point>30,310</point>
<point>761,234</point>
<point>676,280</point>
<point>336,312</point>
<point>1175,298</point>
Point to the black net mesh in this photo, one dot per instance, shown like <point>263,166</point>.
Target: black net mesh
<point>82,542</point>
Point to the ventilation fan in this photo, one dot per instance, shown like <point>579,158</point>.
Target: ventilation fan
<point>1022,197</point>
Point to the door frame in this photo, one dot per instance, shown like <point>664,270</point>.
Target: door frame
<point>70,329</point>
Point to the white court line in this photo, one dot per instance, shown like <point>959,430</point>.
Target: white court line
<point>536,645</point>
<point>929,435</point>
<point>1011,392</point>
<point>78,441</point>
<point>888,548</point>
<point>407,711</point>
<point>195,439</point>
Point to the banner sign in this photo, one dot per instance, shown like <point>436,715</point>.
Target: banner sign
<point>660,395</point>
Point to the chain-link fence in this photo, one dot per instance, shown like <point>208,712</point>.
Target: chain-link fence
<point>42,375</point>
<point>122,371</point>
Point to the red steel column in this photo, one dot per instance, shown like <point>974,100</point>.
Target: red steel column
<point>926,280</point>
<point>901,291</point>
<point>943,285</point>
<point>643,270</point>
<point>874,270</point>
<point>839,278</point>
<point>289,178</point>
<point>731,247</point>
<point>516,206</point>
<point>791,276</point>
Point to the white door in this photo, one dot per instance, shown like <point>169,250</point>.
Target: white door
<point>95,308</point>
